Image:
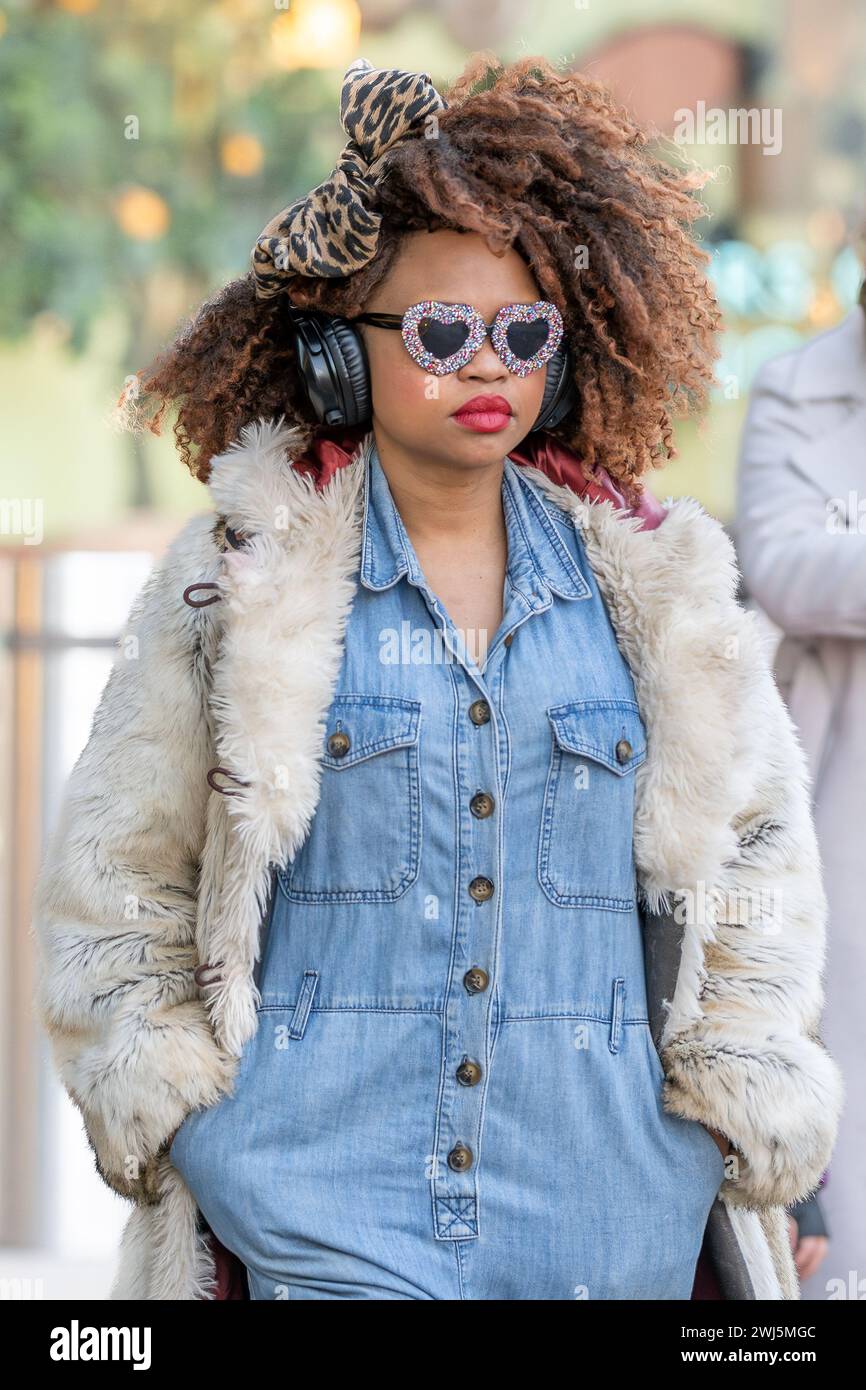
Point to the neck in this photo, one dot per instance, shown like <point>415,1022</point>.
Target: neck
<point>439,501</point>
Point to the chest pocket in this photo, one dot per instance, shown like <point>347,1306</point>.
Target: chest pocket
<point>585,856</point>
<point>364,844</point>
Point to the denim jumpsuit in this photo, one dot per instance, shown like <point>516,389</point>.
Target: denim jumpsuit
<point>453,1091</point>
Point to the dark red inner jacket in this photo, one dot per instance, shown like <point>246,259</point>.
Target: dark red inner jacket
<point>331,450</point>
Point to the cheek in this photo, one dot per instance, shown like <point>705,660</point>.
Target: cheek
<point>402,391</point>
<point>529,391</point>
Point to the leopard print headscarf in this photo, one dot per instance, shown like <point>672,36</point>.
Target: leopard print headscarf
<point>334,230</point>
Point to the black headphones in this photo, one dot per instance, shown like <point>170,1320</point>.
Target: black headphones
<point>333,366</point>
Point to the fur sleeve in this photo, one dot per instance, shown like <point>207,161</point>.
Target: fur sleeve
<point>115,898</point>
<point>754,1065</point>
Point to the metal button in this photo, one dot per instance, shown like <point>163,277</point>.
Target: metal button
<point>481,889</point>
<point>479,712</point>
<point>509,639</point>
<point>339,744</point>
<point>623,750</point>
<point>482,805</point>
<point>460,1158</point>
<point>468,1073</point>
<point>475,980</point>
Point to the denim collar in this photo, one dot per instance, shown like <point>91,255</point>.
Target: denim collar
<point>539,562</point>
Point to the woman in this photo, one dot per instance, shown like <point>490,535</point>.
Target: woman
<point>449,780</point>
<point>803,557</point>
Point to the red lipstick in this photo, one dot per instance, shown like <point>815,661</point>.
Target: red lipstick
<point>484,414</point>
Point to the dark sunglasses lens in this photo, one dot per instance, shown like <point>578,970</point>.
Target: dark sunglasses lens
<point>526,339</point>
<point>442,339</point>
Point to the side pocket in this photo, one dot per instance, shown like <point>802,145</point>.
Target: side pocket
<point>304,1004</point>
<point>617,1008</point>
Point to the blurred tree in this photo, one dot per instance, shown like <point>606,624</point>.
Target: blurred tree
<point>143,145</point>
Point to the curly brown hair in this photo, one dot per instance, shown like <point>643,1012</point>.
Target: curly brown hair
<point>528,156</point>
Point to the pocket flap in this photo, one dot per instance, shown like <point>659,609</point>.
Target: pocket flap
<point>609,731</point>
<point>372,724</point>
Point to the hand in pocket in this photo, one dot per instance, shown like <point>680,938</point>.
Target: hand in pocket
<point>722,1140</point>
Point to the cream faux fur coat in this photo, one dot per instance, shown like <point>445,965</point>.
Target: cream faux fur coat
<point>150,873</point>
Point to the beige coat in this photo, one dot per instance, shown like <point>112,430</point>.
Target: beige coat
<point>803,455</point>
<point>150,872</point>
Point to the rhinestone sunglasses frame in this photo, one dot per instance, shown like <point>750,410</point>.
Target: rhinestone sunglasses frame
<point>465,313</point>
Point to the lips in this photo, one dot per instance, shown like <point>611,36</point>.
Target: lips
<point>484,413</point>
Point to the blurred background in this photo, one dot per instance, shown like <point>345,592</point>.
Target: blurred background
<point>143,145</point>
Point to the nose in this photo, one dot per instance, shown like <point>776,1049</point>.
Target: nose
<point>485,365</point>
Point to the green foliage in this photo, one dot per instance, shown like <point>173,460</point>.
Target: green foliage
<point>178,79</point>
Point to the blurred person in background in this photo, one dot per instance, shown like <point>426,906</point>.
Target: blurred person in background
<point>800,531</point>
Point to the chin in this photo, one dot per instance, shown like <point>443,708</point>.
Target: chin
<point>483,448</point>
<point>449,443</point>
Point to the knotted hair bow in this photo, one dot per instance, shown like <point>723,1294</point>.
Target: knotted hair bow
<point>334,230</point>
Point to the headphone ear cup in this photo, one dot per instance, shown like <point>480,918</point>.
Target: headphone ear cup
<point>332,363</point>
<point>353,371</point>
<point>560,395</point>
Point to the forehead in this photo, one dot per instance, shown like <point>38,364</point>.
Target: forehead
<point>455,267</point>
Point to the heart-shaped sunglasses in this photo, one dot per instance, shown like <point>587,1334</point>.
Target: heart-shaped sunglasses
<point>444,337</point>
